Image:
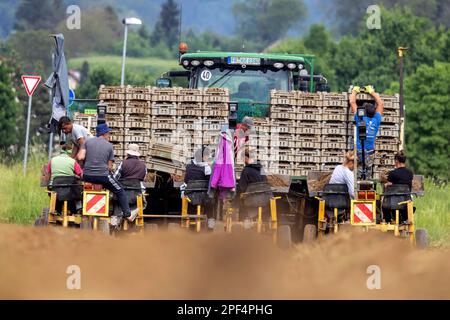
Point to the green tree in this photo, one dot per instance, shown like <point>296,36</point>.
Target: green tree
<point>100,31</point>
<point>370,58</point>
<point>167,27</point>
<point>265,21</point>
<point>89,89</point>
<point>427,127</point>
<point>84,72</point>
<point>44,15</point>
<point>8,108</point>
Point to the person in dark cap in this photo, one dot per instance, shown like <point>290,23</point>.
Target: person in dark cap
<point>98,154</point>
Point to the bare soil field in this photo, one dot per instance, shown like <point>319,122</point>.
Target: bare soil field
<point>183,265</point>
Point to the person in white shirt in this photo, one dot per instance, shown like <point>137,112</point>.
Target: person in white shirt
<point>79,135</point>
<point>343,173</point>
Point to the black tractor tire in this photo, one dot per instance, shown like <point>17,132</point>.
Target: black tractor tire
<point>421,238</point>
<point>284,237</point>
<point>42,220</point>
<point>309,233</point>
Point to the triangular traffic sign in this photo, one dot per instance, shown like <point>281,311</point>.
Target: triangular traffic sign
<point>30,83</point>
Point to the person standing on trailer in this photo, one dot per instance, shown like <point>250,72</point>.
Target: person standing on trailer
<point>374,115</point>
<point>79,135</point>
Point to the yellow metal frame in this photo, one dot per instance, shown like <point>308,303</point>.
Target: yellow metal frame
<point>65,218</point>
<point>352,212</point>
<point>105,193</point>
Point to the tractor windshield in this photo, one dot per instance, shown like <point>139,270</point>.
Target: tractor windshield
<point>245,84</point>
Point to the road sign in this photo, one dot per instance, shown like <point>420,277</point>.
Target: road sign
<point>363,212</point>
<point>96,203</point>
<point>30,83</point>
<point>71,97</point>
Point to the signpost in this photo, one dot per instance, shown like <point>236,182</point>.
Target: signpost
<point>30,83</point>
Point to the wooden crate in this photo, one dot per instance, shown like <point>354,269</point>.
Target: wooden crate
<point>137,107</point>
<point>282,112</point>
<point>138,122</point>
<point>117,135</point>
<point>163,123</point>
<point>185,109</point>
<point>195,123</point>
<point>309,116</point>
<point>282,97</point>
<point>335,129</point>
<point>308,141</point>
<point>114,106</point>
<point>307,159</point>
<point>283,140</point>
<point>334,117</point>
<point>282,126</point>
<point>138,93</point>
<point>164,94</point>
<point>216,95</point>
<point>335,99</point>
<point>390,119</point>
<point>306,152</point>
<point>190,95</point>
<point>137,135</point>
<point>163,136</point>
<point>331,159</point>
<point>302,169</point>
<point>308,128</point>
<point>214,124</point>
<point>115,120</point>
<point>111,92</point>
<point>334,145</point>
<point>163,109</point>
<point>164,166</point>
<point>215,110</point>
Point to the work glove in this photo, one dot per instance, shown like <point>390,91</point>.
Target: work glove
<point>370,89</point>
<point>356,89</point>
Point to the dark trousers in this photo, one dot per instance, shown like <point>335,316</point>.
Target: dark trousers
<point>115,187</point>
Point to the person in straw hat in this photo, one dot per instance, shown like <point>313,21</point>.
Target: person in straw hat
<point>132,168</point>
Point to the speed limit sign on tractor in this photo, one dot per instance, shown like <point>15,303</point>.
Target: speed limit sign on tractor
<point>363,212</point>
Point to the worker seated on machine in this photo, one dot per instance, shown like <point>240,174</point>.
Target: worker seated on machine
<point>131,173</point>
<point>253,188</point>
<point>196,179</point>
<point>98,154</point>
<point>343,174</point>
<point>341,188</point>
<point>398,182</point>
<point>372,121</point>
<point>65,172</point>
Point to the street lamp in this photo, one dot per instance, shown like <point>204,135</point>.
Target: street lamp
<point>127,22</point>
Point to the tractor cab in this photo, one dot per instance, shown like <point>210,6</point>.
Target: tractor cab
<point>250,77</point>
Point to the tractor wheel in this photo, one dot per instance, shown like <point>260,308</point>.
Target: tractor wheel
<point>309,233</point>
<point>104,227</point>
<point>421,238</point>
<point>284,239</point>
<point>85,224</point>
<point>43,218</point>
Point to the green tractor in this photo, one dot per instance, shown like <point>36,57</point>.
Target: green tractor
<point>249,76</point>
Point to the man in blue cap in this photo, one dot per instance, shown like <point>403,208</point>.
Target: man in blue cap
<point>98,154</point>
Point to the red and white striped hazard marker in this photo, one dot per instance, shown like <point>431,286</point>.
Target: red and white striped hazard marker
<point>363,213</point>
<point>96,204</point>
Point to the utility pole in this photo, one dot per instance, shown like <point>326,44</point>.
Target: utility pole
<point>401,53</point>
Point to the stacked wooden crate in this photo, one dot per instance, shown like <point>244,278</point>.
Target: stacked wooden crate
<point>214,114</point>
<point>282,132</point>
<point>163,125</point>
<point>189,121</point>
<point>89,121</point>
<point>333,129</point>
<point>308,129</point>
<point>137,118</point>
<point>114,97</point>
